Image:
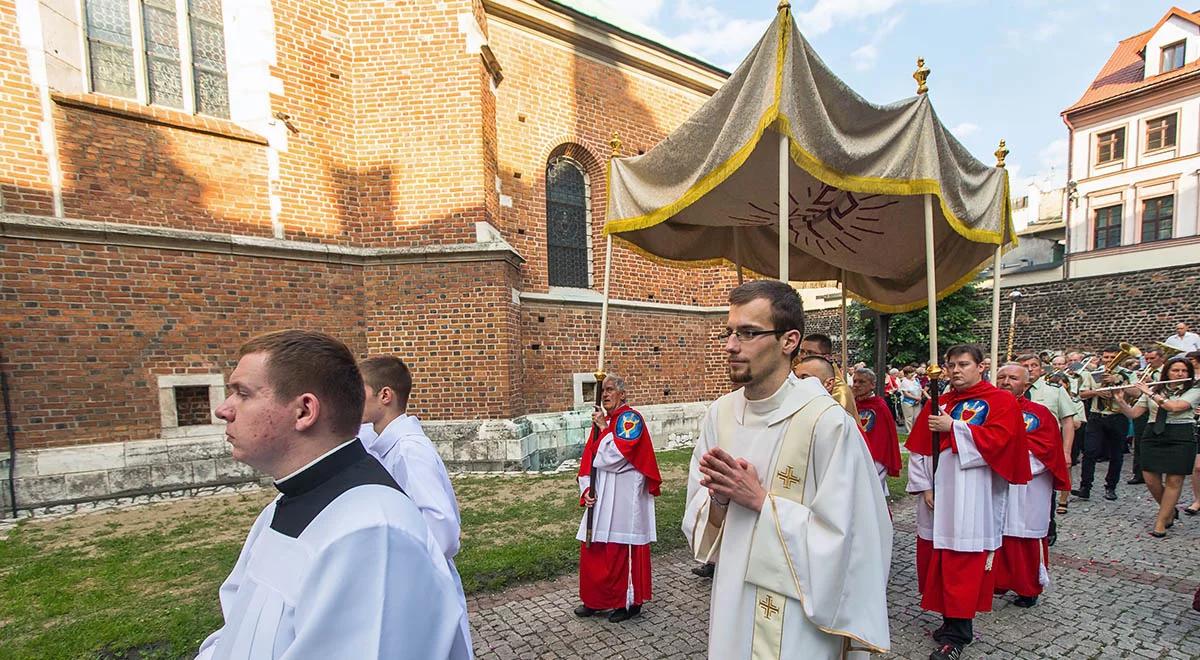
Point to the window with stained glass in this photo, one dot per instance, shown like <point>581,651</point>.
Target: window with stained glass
<point>178,63</point>
<point>208,57</point>
<point>110,47</point>
<point>566,224</point>
<point>1158,215</point>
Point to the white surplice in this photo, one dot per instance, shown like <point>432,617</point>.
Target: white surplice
<point>970,498</point>
<point>413,461</point>
<point>364,578</point>
<point>1029,505</point>
<point>837,543</point>
<point>624,511</point>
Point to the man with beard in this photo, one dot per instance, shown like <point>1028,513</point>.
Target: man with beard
<point>782,493</point>
<point>979,439</point>
<point>1020,563</point>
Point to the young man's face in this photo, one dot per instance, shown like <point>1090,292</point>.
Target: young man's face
<point>862,386</point>
<point>258,425</point>
<point>964,371</point>
<point>373,406</point>
<point>1034,365</point>
<point>755,359</point>
<point>1154,359</point>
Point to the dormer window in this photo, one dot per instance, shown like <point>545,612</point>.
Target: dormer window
<point>1110,146</point>
<point>1172,57</point>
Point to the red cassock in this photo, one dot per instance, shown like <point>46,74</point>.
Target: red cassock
<point>614,575</point>
<point>1019,562</point>
<point>956,583</point>
<point>879,430</point>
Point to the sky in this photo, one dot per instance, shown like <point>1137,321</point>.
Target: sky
<point>1000,68</point>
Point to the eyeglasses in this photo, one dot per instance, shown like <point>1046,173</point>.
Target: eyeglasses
<point>746,335</point>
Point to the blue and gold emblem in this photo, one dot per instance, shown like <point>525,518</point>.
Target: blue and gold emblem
<point>1032,423</point>
<point>630,426</point>
<point>971,411</point>
<point>867,419</point>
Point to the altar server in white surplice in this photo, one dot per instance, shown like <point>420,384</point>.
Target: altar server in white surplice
<point>399,442</point>
<point>782,494</point>
<point>341,564</point>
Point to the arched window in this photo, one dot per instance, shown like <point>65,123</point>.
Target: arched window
<point>567,226</point>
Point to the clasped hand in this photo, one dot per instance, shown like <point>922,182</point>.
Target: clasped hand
<point>731,479</point>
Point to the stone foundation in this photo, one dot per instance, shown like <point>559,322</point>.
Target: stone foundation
<point>51,479</point>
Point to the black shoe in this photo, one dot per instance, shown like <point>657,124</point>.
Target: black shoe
<point>1136,480</point>
<point>947,652</point>
<point>1082,493</point>
<point>1025,601</point>
<point>1110,493</point>
<point>623,614</point>
<point>705,571</point>
<point>584,611</point>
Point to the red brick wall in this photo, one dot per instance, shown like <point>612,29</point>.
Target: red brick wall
<point>24,174</point>
<point>553,96</point>
<point>126,170</point>
<point>455,325</point>
<point>663,357</point>
<point>87,329</point>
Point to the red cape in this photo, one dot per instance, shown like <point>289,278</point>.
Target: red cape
<point>879,429</point>
<point>996,424</point>
<point>633,441</point>
<point>1044,436</point>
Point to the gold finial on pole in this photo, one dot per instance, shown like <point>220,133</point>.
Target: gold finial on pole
<point>783,4</point>
<point>920,75</point>
<point>1000,154</point>
<point>615,143</point>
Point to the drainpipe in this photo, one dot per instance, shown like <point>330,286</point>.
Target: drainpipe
<point>1068,200</point>
<point>10,429</point>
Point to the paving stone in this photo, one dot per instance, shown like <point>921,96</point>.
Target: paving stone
<point>1116,592</point>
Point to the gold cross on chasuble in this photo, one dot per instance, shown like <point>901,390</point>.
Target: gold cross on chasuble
<point>768,607</point>
<point>788,477</point>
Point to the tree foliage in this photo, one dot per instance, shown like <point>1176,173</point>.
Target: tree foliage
<point>908,333</point>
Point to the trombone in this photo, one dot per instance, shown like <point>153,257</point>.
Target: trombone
<point>1156,382</point>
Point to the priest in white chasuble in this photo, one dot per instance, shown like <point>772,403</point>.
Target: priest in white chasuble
<point>782,495</point>
<point>980,438</point>
<point>341,564</point>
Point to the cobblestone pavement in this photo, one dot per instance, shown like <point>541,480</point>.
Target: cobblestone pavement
<point>1117,592</point>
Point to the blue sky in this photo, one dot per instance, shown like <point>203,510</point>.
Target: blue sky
<point>1001,68</point>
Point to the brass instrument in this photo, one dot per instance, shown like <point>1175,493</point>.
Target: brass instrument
<point>1168,350</point>
<point>1113,378</point>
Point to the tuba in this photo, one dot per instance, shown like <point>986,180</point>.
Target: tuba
<point>1168,350</point>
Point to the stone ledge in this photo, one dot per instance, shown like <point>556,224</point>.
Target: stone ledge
<point>73,476</point>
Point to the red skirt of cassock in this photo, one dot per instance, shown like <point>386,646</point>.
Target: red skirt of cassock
<point>1015,567</point>
<point>954,584</point>
<point>614,575</point>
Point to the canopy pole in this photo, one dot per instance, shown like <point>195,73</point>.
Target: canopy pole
<point>604,305</point>
<point>930,283</point>
<point>784,271</point>
<point>1000,154</point>
<point>845,332</point>
<point>995,313</point>
<point>737,253</point>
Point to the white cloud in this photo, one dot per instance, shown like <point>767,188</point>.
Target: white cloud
<point>824,14</point>
<point>865,56</point>
<point>964,129</point>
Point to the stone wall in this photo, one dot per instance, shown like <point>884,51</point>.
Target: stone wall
<point>63,476</point>
<point>1138,307</point>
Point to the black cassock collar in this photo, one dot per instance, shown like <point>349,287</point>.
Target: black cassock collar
<point>307,493</point>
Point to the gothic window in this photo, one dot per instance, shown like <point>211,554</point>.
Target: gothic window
<point>164,52</point>
<point>567,225</point>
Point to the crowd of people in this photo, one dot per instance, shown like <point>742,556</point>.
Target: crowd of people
<point>786,503</point>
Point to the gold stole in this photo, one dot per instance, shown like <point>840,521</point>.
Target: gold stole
<point>789,470</point>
